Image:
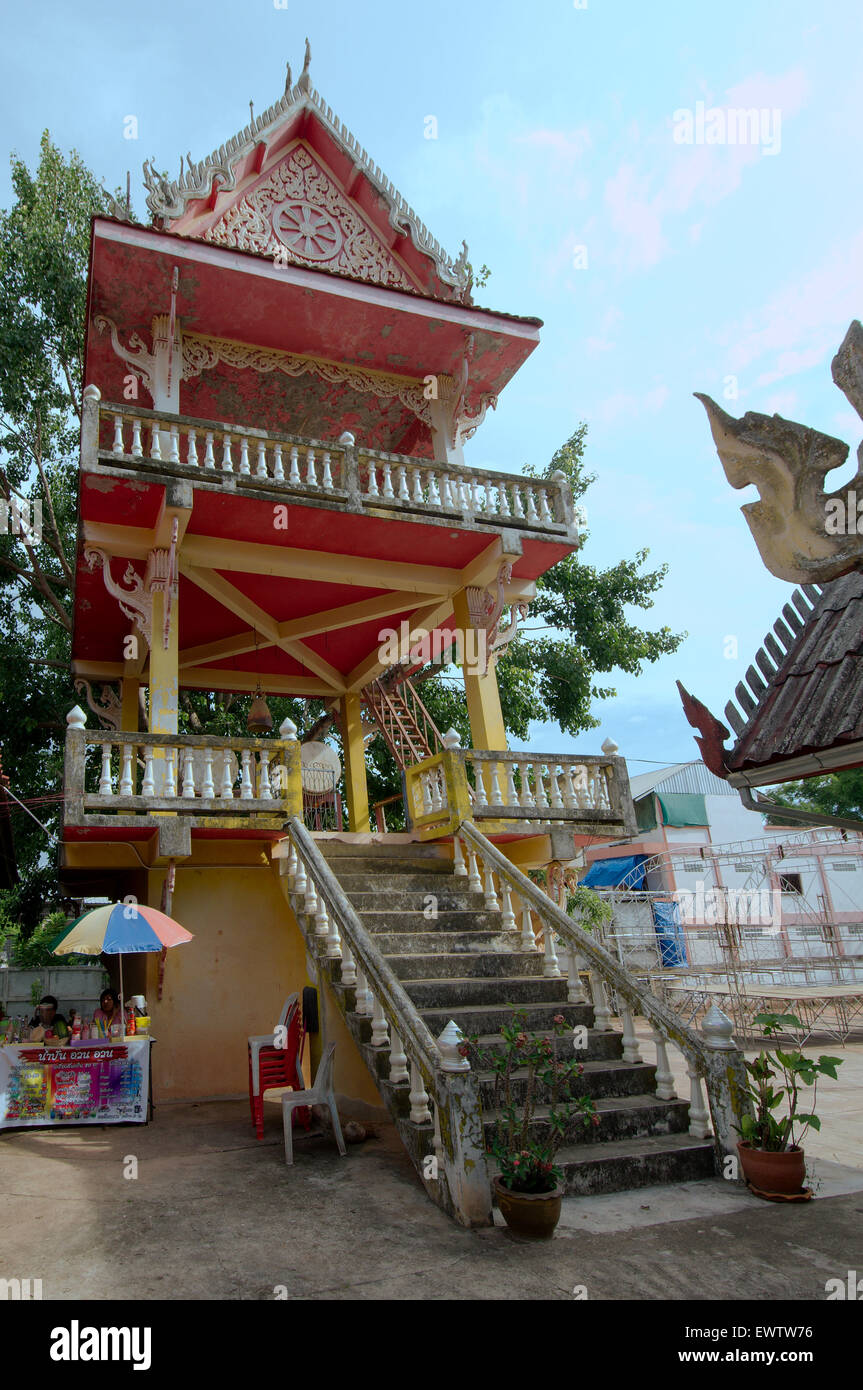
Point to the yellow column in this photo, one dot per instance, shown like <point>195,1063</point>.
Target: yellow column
<point>129,704</point>
<point>164,668</point>
<point>164,690</point>
<point>483,697</point>
<point>355,762</point>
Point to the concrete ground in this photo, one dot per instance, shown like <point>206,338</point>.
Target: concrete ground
<point>839,1103</point>
<point>214,1214</point>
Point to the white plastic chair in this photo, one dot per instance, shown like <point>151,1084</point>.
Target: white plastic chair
<point>268,1039</point>
<point>321,1093</point>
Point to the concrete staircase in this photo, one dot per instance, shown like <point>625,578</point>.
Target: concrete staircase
<point>455,962</point>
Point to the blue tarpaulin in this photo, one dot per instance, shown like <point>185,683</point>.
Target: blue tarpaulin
<point>669,933</point>
<point>609,873</point>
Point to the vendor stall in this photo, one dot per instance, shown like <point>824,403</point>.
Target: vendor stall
<point>95,1082</point>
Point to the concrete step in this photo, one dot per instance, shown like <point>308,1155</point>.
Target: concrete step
<point>378,849</point>
<point>387,882</point>
<point>452,993</point>
<point>466,965</point>
<point>354,865</point>
<point>448,943</point>
<point>620,1117</point>
<point>486,1019</point>
<point>451,921</point>
<point>602,1079</point>
<point>605,1047</point>
<point>449,899</point>
<point>590,1169</point>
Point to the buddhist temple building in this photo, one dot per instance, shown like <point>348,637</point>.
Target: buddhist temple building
<point>283,375</point>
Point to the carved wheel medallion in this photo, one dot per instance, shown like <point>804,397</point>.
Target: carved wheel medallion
<point>307,231</point>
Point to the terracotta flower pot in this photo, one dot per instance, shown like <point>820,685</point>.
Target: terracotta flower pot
<point>772,1172</point>
<point>529,1213</point>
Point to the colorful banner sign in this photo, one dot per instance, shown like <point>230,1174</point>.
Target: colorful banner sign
<point>96,1083</point>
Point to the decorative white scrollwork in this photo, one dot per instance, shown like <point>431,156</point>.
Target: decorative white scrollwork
<point>301,212</point>
<point>201,352</point>
<point>136,601</point>
<point>107,708</point>
<point>486,610</point>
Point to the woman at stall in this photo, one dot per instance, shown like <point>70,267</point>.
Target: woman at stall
<point>108,1013</point>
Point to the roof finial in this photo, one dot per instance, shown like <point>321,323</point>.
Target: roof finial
<point>288,79</point>
<point>252,112</point>
<point>304,84</point>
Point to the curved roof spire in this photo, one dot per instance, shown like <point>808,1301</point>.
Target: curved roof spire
<point>304,83</point>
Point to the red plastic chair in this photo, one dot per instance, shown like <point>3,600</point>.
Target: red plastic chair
<point>271,1066</point>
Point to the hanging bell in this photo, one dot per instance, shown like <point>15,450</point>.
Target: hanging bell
<point>259,720</point>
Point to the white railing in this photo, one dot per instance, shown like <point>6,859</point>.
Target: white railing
<point>528,788</point>
<point>444,1118</point>
<point>539,786</point>
<point>712,1058</point>
<point>358,478</point>
<point>397,478</point>
<point>134,773</point>
<point>226,449</point>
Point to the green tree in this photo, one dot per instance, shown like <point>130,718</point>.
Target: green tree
<point>44,248</point>
<point>838,794</point>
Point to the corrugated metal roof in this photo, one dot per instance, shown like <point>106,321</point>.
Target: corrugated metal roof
<point>689,778</point>
<point>813,700</point>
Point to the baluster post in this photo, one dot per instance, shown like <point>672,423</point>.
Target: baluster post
<point>398,1059</point>
<point>664,1075</point>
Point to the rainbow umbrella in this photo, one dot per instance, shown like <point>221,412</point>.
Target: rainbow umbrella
<point>120,929</point>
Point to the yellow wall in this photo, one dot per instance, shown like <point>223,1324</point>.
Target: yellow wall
<point>230,982</point>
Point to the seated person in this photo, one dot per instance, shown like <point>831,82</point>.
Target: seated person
<point>47,1017</point>
<point>107,1014</point>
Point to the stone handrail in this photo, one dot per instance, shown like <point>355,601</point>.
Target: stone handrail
<point>711,1056</point>
<point>340,472</point>
<point>432,1068</point>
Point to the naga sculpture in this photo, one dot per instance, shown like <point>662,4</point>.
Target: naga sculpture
<point>803,534</point>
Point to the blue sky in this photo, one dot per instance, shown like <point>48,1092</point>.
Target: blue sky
<point>555,131</point>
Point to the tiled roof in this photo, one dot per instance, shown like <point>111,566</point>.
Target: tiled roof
<point>807,694</point>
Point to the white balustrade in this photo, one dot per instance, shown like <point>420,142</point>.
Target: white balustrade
<point>408,482</point>
<point>507,920</point>
<point>363,996</point>
<point>664,1075</point>
<point>602,1014</point>
<point>699,1115</point>
<point>380,1029</point>
<point>551,965</point>
<point>105,785</point>
<point>528,936</point>
<point>418,1097</point>
<point>489,894</point>
<point>349,968</point>
<point>631,1052</point>
<point>398,1059</point>
<point>127,785</point>
<point>574,987</point>
<point>322,921</point>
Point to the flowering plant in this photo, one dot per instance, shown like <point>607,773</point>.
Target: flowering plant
<point>527,1164</point>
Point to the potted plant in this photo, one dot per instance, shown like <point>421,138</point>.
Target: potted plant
<point>771,1141</point>
<point>528,1187</point>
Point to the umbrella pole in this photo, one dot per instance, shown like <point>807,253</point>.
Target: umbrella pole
<point>122,1001</point>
